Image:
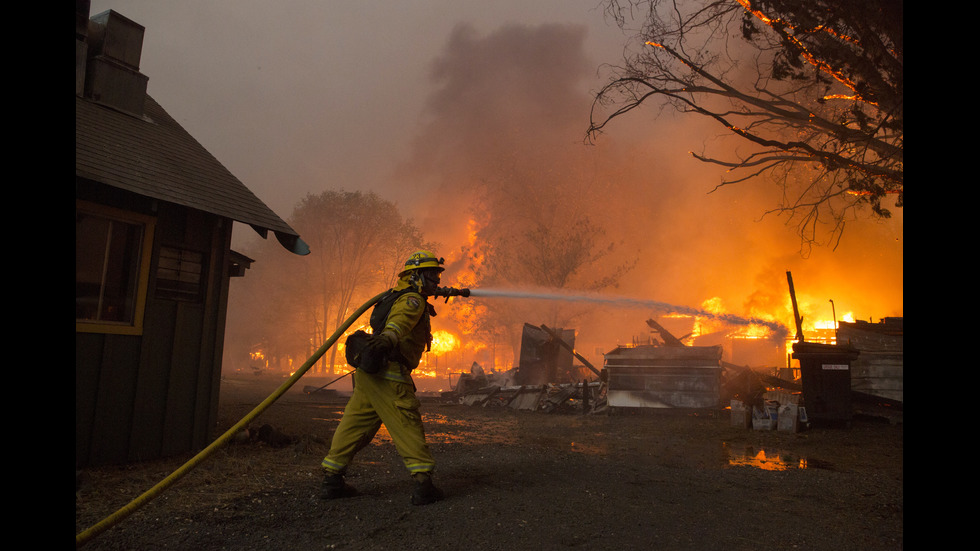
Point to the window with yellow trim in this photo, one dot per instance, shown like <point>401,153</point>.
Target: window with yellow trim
<point>111,265</point>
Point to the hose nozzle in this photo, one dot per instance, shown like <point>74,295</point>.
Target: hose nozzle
<point>450,292</point>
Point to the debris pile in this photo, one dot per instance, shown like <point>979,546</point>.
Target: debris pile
<point>581,397</point>
<point>777,411</point>
<point>546,381</point>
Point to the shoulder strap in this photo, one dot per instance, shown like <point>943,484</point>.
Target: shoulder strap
<point>379,316</point>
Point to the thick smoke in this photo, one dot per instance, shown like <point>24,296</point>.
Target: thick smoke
<point>509,111</point>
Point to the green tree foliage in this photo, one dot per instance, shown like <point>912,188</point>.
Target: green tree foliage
<point>813,87</point>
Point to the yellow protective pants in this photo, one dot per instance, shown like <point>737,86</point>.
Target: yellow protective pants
<point>378,400</point>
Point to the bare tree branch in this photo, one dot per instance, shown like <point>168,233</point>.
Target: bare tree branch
<point>827,94</point>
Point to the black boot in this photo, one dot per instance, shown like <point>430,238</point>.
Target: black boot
<point>334,487</point>
<point>425,491</point>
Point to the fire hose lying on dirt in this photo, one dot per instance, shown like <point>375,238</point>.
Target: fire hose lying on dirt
<point>110,521</point>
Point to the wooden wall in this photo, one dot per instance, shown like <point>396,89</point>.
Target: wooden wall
<point>156,394</point>
<point>879,369</point>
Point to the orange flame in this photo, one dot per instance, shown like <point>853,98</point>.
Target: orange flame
<point>443,341</point>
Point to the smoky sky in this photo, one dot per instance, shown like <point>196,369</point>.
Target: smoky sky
<point>513,88</point>
<point>425,101</point>
<point>508,109</point>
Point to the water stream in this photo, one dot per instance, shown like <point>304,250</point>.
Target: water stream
<point>779,330</point>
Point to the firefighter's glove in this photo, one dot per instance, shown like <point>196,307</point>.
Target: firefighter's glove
<point>374,357</point>
<point>380,344</point>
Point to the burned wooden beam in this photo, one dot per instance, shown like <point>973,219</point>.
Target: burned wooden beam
<point>479,397</point>
<point>564,344</point>
<point>669,339</point>
<point>543,360</point>
<point>796,308</point>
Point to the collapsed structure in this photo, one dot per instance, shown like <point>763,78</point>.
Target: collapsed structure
<point>648,376</point>
<point>866,368</point>
<point>663,376</point>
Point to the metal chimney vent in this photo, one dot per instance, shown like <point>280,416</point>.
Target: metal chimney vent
<point>112,75</point>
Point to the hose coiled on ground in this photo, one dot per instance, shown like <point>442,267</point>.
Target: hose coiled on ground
<point>110,521</point>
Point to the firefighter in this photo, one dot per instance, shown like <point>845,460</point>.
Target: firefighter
<point>403,334</point>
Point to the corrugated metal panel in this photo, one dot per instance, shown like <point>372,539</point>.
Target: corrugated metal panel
<point>664,377</point>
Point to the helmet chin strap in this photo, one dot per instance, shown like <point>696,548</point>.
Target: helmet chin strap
<point>420,281</point>
<point>417,279</point>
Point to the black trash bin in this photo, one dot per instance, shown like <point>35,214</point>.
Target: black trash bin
<point>825,370</point>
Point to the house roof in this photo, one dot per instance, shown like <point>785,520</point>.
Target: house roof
<point>155,157</point>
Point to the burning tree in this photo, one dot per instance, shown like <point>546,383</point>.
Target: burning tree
<point>815,87</point>
<point>526,234</point>
<point>500,144</point>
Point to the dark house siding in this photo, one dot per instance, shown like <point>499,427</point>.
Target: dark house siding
<point>148,354</point>
<point>153,395</point>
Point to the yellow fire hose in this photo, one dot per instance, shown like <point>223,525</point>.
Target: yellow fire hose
<point>118,516</point>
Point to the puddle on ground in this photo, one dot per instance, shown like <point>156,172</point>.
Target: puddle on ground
<point>770,460</point>
<point>444,429</point>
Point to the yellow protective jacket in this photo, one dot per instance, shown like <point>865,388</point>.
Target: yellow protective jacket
<point>408,329</point>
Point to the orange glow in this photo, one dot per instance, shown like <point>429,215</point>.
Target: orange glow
<point>443,341</point>
<point>760,460</point>
<point>887,192</point>
<point>754,332</point>
<point>818,325</point>
<point>475,256</point>
<point>806,54</point>
<point>830,324</point>
<point>704,325</point>
<point>467,314</point>
<point>424,371</point>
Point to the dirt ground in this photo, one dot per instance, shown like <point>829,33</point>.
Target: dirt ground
<point>663,479</point>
